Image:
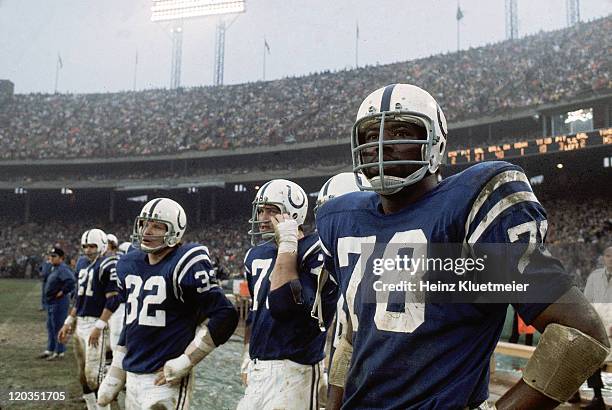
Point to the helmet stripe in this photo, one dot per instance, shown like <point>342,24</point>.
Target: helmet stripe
<point>440,122</point>
<point>87,237</point>
<point>326,187</point>
<point>153,207</point>
<point>386,98</point>
<point>263,189</point>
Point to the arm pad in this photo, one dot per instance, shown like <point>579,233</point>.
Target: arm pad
<point>340,363</point>
<point>564,358</point>
<point>115,378</point>
<point>286,301</point>
<point>201,345</point>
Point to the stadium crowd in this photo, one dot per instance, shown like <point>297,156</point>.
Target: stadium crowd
<point>543,68</point>
<point>578,233</point>
<point>23,246</point>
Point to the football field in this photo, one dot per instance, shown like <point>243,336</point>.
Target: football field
<point>23,336</point>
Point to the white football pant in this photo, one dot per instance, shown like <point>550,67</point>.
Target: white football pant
<point>281,384</point>
<point>90,360</point>
<point>143,394</point>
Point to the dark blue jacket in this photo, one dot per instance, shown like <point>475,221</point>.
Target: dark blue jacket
<point>61,278</point>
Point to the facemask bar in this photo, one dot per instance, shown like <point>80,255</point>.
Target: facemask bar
<point>255,232</point>
<point>169,237</point>
<point>388,185</point>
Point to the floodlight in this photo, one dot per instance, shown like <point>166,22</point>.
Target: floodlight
<point>164,10</point>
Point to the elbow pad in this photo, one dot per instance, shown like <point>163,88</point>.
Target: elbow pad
<point>341,362</point>
<point>287,300</point>
<point>564,358</point>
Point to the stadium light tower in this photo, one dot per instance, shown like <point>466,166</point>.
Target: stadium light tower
<point>178,10</point>
<point>177,53</point>
<point>219,53</point>
<point>573,11</point>
<point>511,19</point>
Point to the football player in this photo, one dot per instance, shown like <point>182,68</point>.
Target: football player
<point>412,351</point>
<point>284,342</point>
<point>166,288</point>
<point>96,290</point>
<point>113,244</point>
<point>114,309</point>
<point>335,186</point>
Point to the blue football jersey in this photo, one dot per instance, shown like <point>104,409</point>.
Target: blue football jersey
<point>163,303</point>
<point>95,280</point>
<point>298,339</point>
<point>414,355</point>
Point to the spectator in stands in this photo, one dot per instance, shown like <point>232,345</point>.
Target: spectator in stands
<point>534,70</point>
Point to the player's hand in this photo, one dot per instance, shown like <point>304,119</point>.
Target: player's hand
<point>174,370</point>
<point>64,334</point>
<point>94,337</point>
<point>244,378</point>
<point>285,232</point>
<point>159,377</point>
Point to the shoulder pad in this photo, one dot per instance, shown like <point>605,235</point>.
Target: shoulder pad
<point>349,202</point>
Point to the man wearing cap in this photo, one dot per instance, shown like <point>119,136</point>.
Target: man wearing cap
<point>58,285</point>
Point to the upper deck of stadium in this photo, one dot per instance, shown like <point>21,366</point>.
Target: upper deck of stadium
<point>517,79</point>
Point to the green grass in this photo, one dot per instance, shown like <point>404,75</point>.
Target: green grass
<point>23,336</point>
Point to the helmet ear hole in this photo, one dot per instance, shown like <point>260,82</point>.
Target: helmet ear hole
<point>295,215</point>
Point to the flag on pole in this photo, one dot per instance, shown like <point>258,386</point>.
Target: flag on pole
<point>459,13</point>
<point>60,64</point>
<point>267,46</point>
<point>357,30</point>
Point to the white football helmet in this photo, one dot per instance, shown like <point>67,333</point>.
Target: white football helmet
<point>288,196</point>
<point>95,237</point>
<point>123,248</point>
<point>112,239</point>
<point>340,184</point>
<point>163,210</point>
<point>407,103</point>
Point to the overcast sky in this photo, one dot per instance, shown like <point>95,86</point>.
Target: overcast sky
<point>98,40</point>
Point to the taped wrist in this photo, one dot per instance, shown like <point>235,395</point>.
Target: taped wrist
<point>100,324</point>
<point>201,345</point>
<point>340,363</point>
<point>563,360</point>
<point>69,320</point>
<point>286,234</point>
